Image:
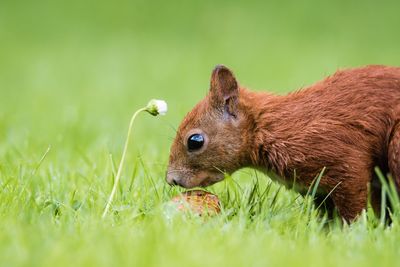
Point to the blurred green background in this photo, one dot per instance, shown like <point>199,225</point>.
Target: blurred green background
<point>73,72</point>
<point>78,69</point>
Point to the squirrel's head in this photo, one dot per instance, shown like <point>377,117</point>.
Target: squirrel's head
<point>213,138</point>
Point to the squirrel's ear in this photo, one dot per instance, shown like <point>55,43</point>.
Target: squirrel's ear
<point>224,90</point>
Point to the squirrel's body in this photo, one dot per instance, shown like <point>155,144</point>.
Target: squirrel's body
<point>348,124</point>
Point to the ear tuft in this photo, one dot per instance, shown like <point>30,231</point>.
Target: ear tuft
<point>223,87</point>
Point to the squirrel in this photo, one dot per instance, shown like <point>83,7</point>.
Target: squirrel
<point>346,124</point>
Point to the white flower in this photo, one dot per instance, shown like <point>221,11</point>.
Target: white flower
<point>155,107</point>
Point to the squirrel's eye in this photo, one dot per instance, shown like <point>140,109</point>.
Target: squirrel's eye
<point>195,142</point>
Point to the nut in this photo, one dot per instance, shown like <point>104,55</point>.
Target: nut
<point>199,202</point>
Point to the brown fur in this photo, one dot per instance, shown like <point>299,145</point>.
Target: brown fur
<point>348,123</point>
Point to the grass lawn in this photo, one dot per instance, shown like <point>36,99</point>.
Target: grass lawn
<point>73,72</point>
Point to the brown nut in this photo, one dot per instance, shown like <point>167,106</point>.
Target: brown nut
<point>198,201</point>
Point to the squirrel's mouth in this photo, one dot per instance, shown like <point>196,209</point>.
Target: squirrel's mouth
<point>208,181</point>
<point>205,178</point>
<point>190,179</point>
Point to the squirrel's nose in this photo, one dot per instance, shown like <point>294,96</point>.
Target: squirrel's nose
<point>176,176</point>
<point>174,181</point>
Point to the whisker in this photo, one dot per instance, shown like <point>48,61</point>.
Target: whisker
<point>218,169</point>
<point>171,126</point>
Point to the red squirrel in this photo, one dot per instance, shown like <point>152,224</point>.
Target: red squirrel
<point>348,123</point>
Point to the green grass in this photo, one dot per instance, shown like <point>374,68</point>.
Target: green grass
<point>73,72</point>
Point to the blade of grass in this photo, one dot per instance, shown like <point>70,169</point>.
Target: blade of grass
<point>114,189</point>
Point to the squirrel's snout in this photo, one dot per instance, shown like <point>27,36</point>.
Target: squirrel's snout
<point>189,179</point>
<point>173,179</point>
<point>181,177</point>
<point>175,182</point>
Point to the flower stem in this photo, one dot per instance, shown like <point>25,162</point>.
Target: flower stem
<point>121,163</point>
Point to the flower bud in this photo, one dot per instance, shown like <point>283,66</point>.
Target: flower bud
<point>155,107</point>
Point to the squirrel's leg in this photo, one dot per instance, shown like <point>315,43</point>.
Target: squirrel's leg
<point>325,203</point>
<point>394,155</point>
<point>351,196</point>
